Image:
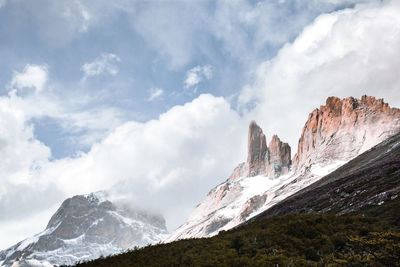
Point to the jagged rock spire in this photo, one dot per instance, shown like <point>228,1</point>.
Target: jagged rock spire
<point>272,160</point>
<point>256,150</point>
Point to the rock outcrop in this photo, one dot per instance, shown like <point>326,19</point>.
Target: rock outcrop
<point>343,129</point>
<point>269,160</point>
<point>256,150</point>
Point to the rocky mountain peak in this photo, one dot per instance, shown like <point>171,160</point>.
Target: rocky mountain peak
<point>256,150</point>
<point>261,159</point>
<point>344,128</point>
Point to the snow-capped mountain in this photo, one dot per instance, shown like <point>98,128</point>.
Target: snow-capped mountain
<point>333,134</point>
<point>86,227</point>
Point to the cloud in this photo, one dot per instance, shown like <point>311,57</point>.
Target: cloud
<point>246,31</point>
<point>178,157</point>
<point>25,157</point>
<point>344,53</point>
<point>155,93</point>
<point>77,12</point>
<point>33,76</point>
<point>104,64</point>
<point>23,192</point>
<point>176,32</point>
<point>14,230</point>
<point>56,23</point>
<point>74,113</point>
<point>197,74</point>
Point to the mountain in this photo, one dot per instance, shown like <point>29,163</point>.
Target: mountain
<point>86,227</point>
<point>372,178</point>
<point>364,230</point>
<point>332,135</point>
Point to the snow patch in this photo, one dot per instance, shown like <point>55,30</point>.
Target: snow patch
<point>323,170</point>
<point>37,263</point>
<point>27,242</point>
<point>74,241</point>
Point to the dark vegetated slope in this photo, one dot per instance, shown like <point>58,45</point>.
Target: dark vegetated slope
<point>290,240</point>
<point>369,179</point>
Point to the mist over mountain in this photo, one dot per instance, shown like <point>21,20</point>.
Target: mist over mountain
<point>86,227</point>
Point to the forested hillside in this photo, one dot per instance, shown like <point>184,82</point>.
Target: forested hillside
<point>369,238</point>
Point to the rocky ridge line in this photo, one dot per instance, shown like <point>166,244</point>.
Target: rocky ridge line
<point>344,128</point>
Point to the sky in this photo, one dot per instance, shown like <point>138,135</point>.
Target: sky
<point>151,100</point>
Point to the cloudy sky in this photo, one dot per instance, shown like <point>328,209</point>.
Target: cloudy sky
<point>153,98</point>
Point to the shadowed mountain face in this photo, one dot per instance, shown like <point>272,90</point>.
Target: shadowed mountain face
<point>86,227</point>
<point>370,179</point>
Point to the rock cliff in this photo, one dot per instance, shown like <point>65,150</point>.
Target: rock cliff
<point>343,129</point>
<point>271,160</point>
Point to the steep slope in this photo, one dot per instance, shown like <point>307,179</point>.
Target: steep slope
<point>370,179</point>
<point>333,134</point>
<point>290,240</point>
<point>86,227</point>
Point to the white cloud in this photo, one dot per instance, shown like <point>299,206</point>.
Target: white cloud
<point>155,93</point>
<point>104,64</point>
<point>33,76</point>
<point>22,192</point>
<point>197,74</point>
<point>15,230</point>
<point>182,154</point>
<point>345,53</point>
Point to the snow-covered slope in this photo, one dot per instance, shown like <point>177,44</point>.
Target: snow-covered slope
<point>233,202</point>
<point>332,135</point>
<point>86,227</point>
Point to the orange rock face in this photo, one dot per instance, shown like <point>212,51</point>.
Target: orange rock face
<point>344,128</point>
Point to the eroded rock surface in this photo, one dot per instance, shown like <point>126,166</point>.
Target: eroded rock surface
<point>345,128</point>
